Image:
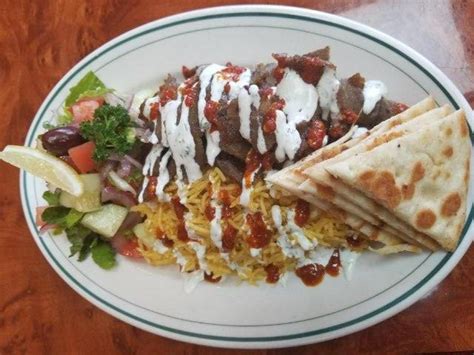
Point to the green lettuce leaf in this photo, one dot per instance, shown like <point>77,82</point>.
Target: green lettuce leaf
<point>52,198</point>
<point>103,254</point>
<point>62,216</point>
<point>89,86</point>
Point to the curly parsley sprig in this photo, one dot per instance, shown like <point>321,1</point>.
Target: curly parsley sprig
<point>111,130</point>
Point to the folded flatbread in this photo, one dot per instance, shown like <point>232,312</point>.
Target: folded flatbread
<point>420,177</point>
<point>325,186</point>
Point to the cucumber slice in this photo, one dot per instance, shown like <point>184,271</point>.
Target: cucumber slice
<point>105,221</point>
<point>90,198</point>
<point>142,233</point>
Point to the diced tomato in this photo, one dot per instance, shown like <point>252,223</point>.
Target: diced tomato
<point>39,218</point>
<point>130,249</point>
<point>83,110</point>
<point>126,247</point>
<point>81,156</point>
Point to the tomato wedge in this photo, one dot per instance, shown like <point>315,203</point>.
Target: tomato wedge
<point>126,247</point>
<point>83,110</point>
<point>81,156</point>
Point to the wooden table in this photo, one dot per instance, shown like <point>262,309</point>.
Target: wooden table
<point>41,40</point>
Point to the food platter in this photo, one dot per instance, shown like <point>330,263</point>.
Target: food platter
<point>232,314</point>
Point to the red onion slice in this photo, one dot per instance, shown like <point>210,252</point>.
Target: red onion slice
<point>112,194</point>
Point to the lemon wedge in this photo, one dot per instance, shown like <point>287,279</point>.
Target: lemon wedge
<point>44,166</point>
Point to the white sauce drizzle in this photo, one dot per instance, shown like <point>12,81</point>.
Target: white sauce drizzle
<point>163,178</point>
<point>200,251</point>
<point>301,102</point>
<point>180,139</point>
<point>152,138</point>
<point>182,188</point>
<point>191,232</point>
<point>180,259</point>
<point>301,99</point>
<point>325,140</point>
<point>327,88</point>
<point>246,101</point>
<point>319,255</point>
<point>287,247</point>
<point>283,279</point>
<point>216,229</point>
<point>287,137</point>
<point>261,145</point>
<point>219,81</point>
<point>255,252</point>
<point>204,79</point>
<point>359,131</point>
<point>348,259</point>
<point>215,225</point>
<point>297,232</point>
<point>137,101</point>
<point>192,279</point>
<point>373,92</point>
<point>148,167</point>
<point>159,247</point>
<point>212,149</point>
<point>148,104</point>
<point>247,191</point>
<point>214,76</point>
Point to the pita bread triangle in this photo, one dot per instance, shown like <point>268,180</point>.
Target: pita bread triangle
<point>422,177</point>
<point>325,186</point>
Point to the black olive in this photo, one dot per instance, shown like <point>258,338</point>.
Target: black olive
<point>59,140</point>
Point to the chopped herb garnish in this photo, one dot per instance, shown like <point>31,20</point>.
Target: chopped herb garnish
<point>111,131</point>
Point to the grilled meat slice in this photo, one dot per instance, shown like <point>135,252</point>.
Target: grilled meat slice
<point>228,124</point>
<point>383,110</point>
<point>231,167</point>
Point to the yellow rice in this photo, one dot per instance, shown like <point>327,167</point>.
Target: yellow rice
<point>160,216</point>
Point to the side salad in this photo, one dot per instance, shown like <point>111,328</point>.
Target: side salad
<point>94,134</point>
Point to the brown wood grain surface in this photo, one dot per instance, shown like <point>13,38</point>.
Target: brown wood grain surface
<point>41,40</point>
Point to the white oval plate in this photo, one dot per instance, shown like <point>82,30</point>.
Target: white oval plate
<point>232,315</point>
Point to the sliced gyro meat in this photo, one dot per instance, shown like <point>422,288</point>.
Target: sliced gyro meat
<point>231,167</point>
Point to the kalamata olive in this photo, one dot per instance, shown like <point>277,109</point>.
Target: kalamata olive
<point>59,140</point>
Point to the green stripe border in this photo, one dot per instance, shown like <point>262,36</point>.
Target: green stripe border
<point>229,338</point>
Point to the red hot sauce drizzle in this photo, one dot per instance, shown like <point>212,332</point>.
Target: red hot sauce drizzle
<point>252,164</point>
<point>164,239</point>
<point>259,234</point>
<point>255,161</point>
<point>269,120</point>
<point>210,112</point>
<point>151,188</point>
<point>211,278</point>
<point>311,274</point>
<point>273,273</point>
<point>302,212</point>
<point>179,210</point>
<point>228,238</point>
<point>315,134</point>
<point>354,241</point>
<point>334,264</point>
